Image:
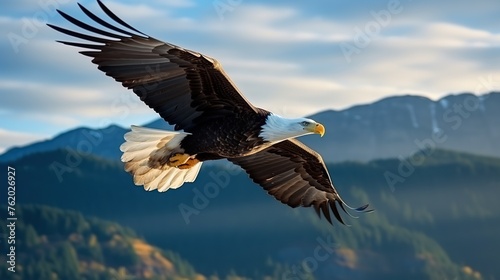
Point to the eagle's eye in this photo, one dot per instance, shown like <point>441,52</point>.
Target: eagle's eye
<point>304,123</point>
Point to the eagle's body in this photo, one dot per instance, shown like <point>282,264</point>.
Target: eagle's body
<point>212,119</point>
<point>240,138</point>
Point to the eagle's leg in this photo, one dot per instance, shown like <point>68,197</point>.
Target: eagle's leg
<point>182,161</point>
<point>177,159</point>
<point>189,163</point>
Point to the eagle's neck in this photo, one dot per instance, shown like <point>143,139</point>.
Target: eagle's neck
<point>277,128</point>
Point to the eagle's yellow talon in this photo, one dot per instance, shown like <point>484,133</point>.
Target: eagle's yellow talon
<point>189,163</point>
<point>177,160</point>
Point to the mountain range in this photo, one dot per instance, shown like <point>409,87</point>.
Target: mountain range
<point>438,223</point>
<point>392,127</point>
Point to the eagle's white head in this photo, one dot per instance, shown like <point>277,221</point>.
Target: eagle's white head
<point>277,128</point>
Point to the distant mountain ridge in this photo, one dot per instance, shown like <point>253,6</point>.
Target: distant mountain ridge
<point>103,142</point>
<point>401,125</point>
<point>392,127</point>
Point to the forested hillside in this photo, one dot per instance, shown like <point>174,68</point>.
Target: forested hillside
<point>59,244</point>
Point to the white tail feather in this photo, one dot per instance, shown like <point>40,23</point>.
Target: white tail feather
<point>140,144</point>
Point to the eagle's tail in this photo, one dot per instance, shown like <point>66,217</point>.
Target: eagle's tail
<point>145,148</point>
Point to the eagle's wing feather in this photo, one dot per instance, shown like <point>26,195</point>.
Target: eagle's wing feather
<point>295,175</point>
<point>183,86</point>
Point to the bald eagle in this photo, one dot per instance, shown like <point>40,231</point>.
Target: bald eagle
<point>212,119</point>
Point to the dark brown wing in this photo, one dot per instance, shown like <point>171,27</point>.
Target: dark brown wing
<point>184,87</point>
<point>295,175</point>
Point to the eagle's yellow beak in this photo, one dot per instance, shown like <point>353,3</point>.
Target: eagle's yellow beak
<point>317,128</point>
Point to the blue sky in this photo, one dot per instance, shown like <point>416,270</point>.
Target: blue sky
<point>293,58</point>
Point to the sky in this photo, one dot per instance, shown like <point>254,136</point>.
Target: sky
<point>294,58</point>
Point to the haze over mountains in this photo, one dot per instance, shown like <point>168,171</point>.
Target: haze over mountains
<point>392,127</point>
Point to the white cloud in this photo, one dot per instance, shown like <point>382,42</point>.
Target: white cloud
<point>450,35</point>
<point>133,11</point>
<point>175,3</point>
<point>69,102</point>
<point>260,65</point>
<point>274,24</point>
<point>9,138</point>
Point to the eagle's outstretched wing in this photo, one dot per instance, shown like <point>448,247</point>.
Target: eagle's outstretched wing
<point>297,176</point>
<point>185,87</point>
